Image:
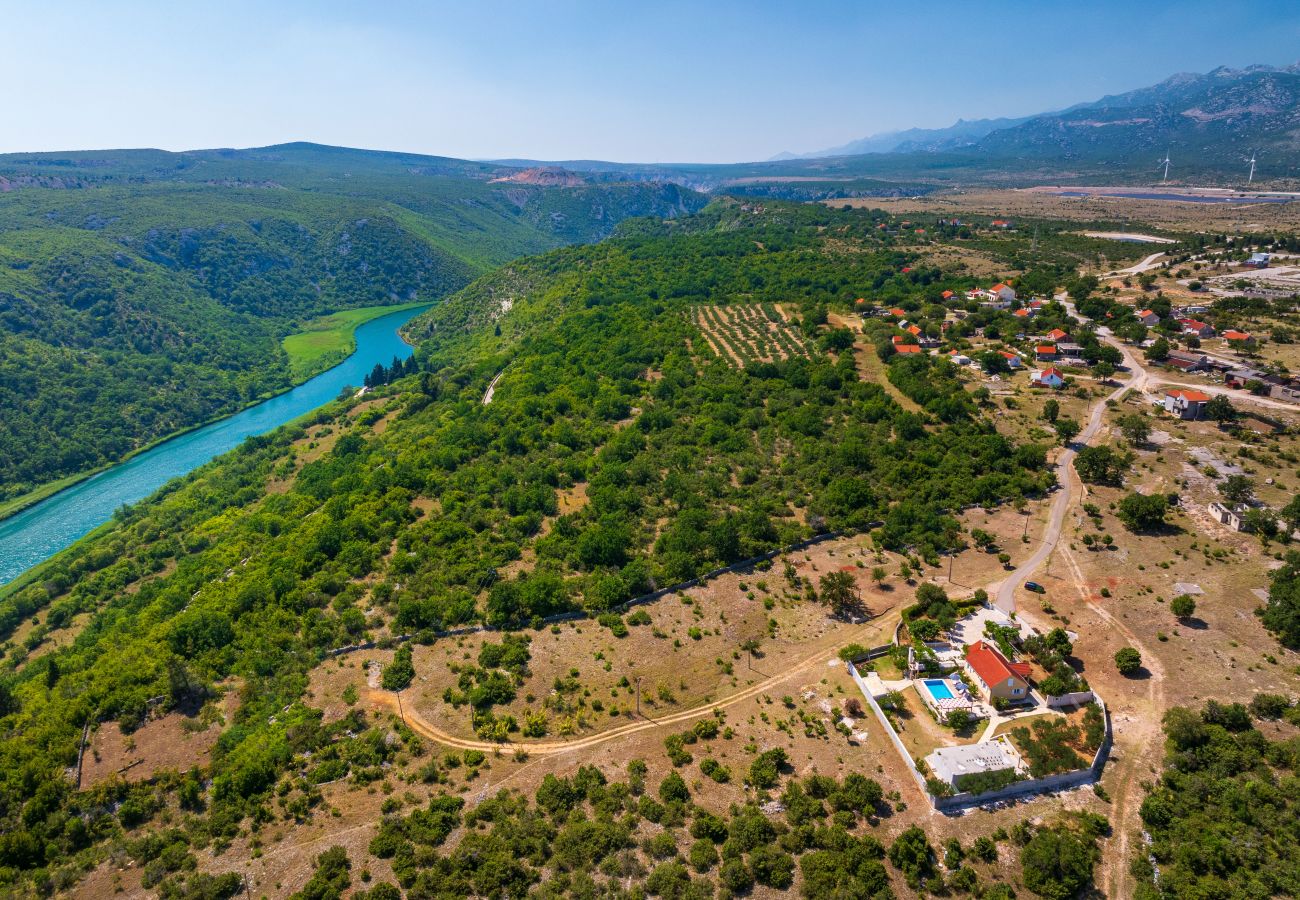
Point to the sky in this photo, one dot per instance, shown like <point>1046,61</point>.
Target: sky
<point>568,79</point>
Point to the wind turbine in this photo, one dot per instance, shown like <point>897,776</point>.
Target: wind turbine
<point>1165,163</point>
<point>1252,168</point>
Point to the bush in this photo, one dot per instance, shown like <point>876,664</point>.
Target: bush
<point>1128,661</point>
<point>1183,606</point>
<point>1057,863</point>
<point>765,770</point>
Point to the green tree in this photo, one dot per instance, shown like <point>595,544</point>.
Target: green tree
<point>1236,489</point>
<point>1281,613</point>
<point>1183,606</point>
<point>839,591</point>
<point>1051,410</point>
<point>1128,661</point>
<point>1067,430</point>
<point>1220,409</point>
<point>1057,863</point>
<point>1143,512</point>
<point>1135,428</point>
<point>1158,351</point>
<point>399,673</point>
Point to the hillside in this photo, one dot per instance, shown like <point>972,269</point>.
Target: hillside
<point>142,292</point>
<point>619,452</point>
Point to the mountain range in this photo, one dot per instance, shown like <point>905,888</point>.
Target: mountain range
<point>1219,117</point>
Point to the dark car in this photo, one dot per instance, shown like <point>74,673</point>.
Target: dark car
<point>1035,587</point>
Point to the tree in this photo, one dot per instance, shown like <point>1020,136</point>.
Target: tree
<point>1220,409</point>
<point>399,673</point>
<point>1281,614</point>
<point>1290,514</point>
<point>1183,606</point>
<point>1128,661</point>
<point>1067,430</point>
<point>1051,410</point>
<point>1143,512</point>
<point>1236,489</point>
<point>839,590</point>
<point>1158,351</point>
<point>912,855</point>
<point>1104,370</point>
<point>878,575</point>
<point>1101,465</point>
<point>1135,428</point>
<point>959,720</point>
<point>1058,862</point>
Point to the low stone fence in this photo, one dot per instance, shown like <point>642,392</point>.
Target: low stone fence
<point>624,607</point>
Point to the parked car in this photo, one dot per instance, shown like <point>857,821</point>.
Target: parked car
<point>1035,587</point>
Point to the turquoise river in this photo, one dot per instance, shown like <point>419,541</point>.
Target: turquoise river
<point>42,530</point>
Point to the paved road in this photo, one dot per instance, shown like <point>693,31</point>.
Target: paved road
<point>1006,595</point>
<point>1150,262</point>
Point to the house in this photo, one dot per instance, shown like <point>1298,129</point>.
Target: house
<point>954,766</point>
<point>1239,339</point>
<point>1045,352</point>
<point>1050,377</point>
<point>895,311</point>
<point>1196,327</point>
<point>1013,361</point>
<point>1003,291</point>
<point>948,295</point>
<point>1057,334</point>
<point>1023,313</point>
<point>913,330</point>
<point>1001,223</point>
<point>1072,352</point>
<point>898,339</point>
<point>1148,318</point>
<point>1186,403</point>
<point>907,348</point>
<point>959,359</point>
<point>994,676</point>
<point>1225,515</point>
<point>1258,261</point>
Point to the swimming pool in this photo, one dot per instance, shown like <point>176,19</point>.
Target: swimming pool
<point>939,688</point>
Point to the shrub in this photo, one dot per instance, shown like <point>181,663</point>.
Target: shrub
<point>1128,660</point>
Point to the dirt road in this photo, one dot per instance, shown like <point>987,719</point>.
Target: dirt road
<point>422,726</point>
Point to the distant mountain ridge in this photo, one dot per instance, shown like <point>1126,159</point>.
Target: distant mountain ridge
<point>1214,117</point>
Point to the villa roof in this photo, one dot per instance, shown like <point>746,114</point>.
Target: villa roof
<point>1191,396</point>
<point>1233,335</point>
<point>991,666</point>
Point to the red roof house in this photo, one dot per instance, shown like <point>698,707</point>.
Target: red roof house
<point>897,312</point>
<point>994,675</point>
<point>907,348</point>
<point>1057,334</point>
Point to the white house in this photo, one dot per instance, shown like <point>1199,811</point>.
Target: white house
<point>1050,377</point>
<point>1186,404</point>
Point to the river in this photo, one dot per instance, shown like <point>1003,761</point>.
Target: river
<point>42,530</point>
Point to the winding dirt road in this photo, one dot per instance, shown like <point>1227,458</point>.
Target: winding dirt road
<point>422,726</point>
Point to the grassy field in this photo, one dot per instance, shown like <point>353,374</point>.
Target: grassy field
<point>327,341</point>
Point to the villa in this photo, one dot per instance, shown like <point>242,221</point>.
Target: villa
<point>994,675</point>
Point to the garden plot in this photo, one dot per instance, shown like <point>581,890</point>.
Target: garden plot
<point>744,334</point>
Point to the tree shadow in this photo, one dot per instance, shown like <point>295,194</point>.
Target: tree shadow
<point>1195,623</point>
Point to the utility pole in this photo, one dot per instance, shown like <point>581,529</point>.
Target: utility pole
<point>638,696</point>
<point>951,557</point>
<point>401,714</point>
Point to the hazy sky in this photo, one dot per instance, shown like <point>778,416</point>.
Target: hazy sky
<point>654,82</point>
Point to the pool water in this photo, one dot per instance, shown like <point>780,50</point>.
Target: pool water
<point>939,689</point>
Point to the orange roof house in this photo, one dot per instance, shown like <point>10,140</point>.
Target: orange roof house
<point>914,330</point>
<point>994,674</point>
<point>947,295</point>
<point>1233,336</point>
<point>907,348</point>
<point>1057,334</point>
<point>897,312</point>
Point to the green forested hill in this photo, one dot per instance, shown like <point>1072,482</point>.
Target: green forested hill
<point>686,461</point>
<point>142,292</point>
